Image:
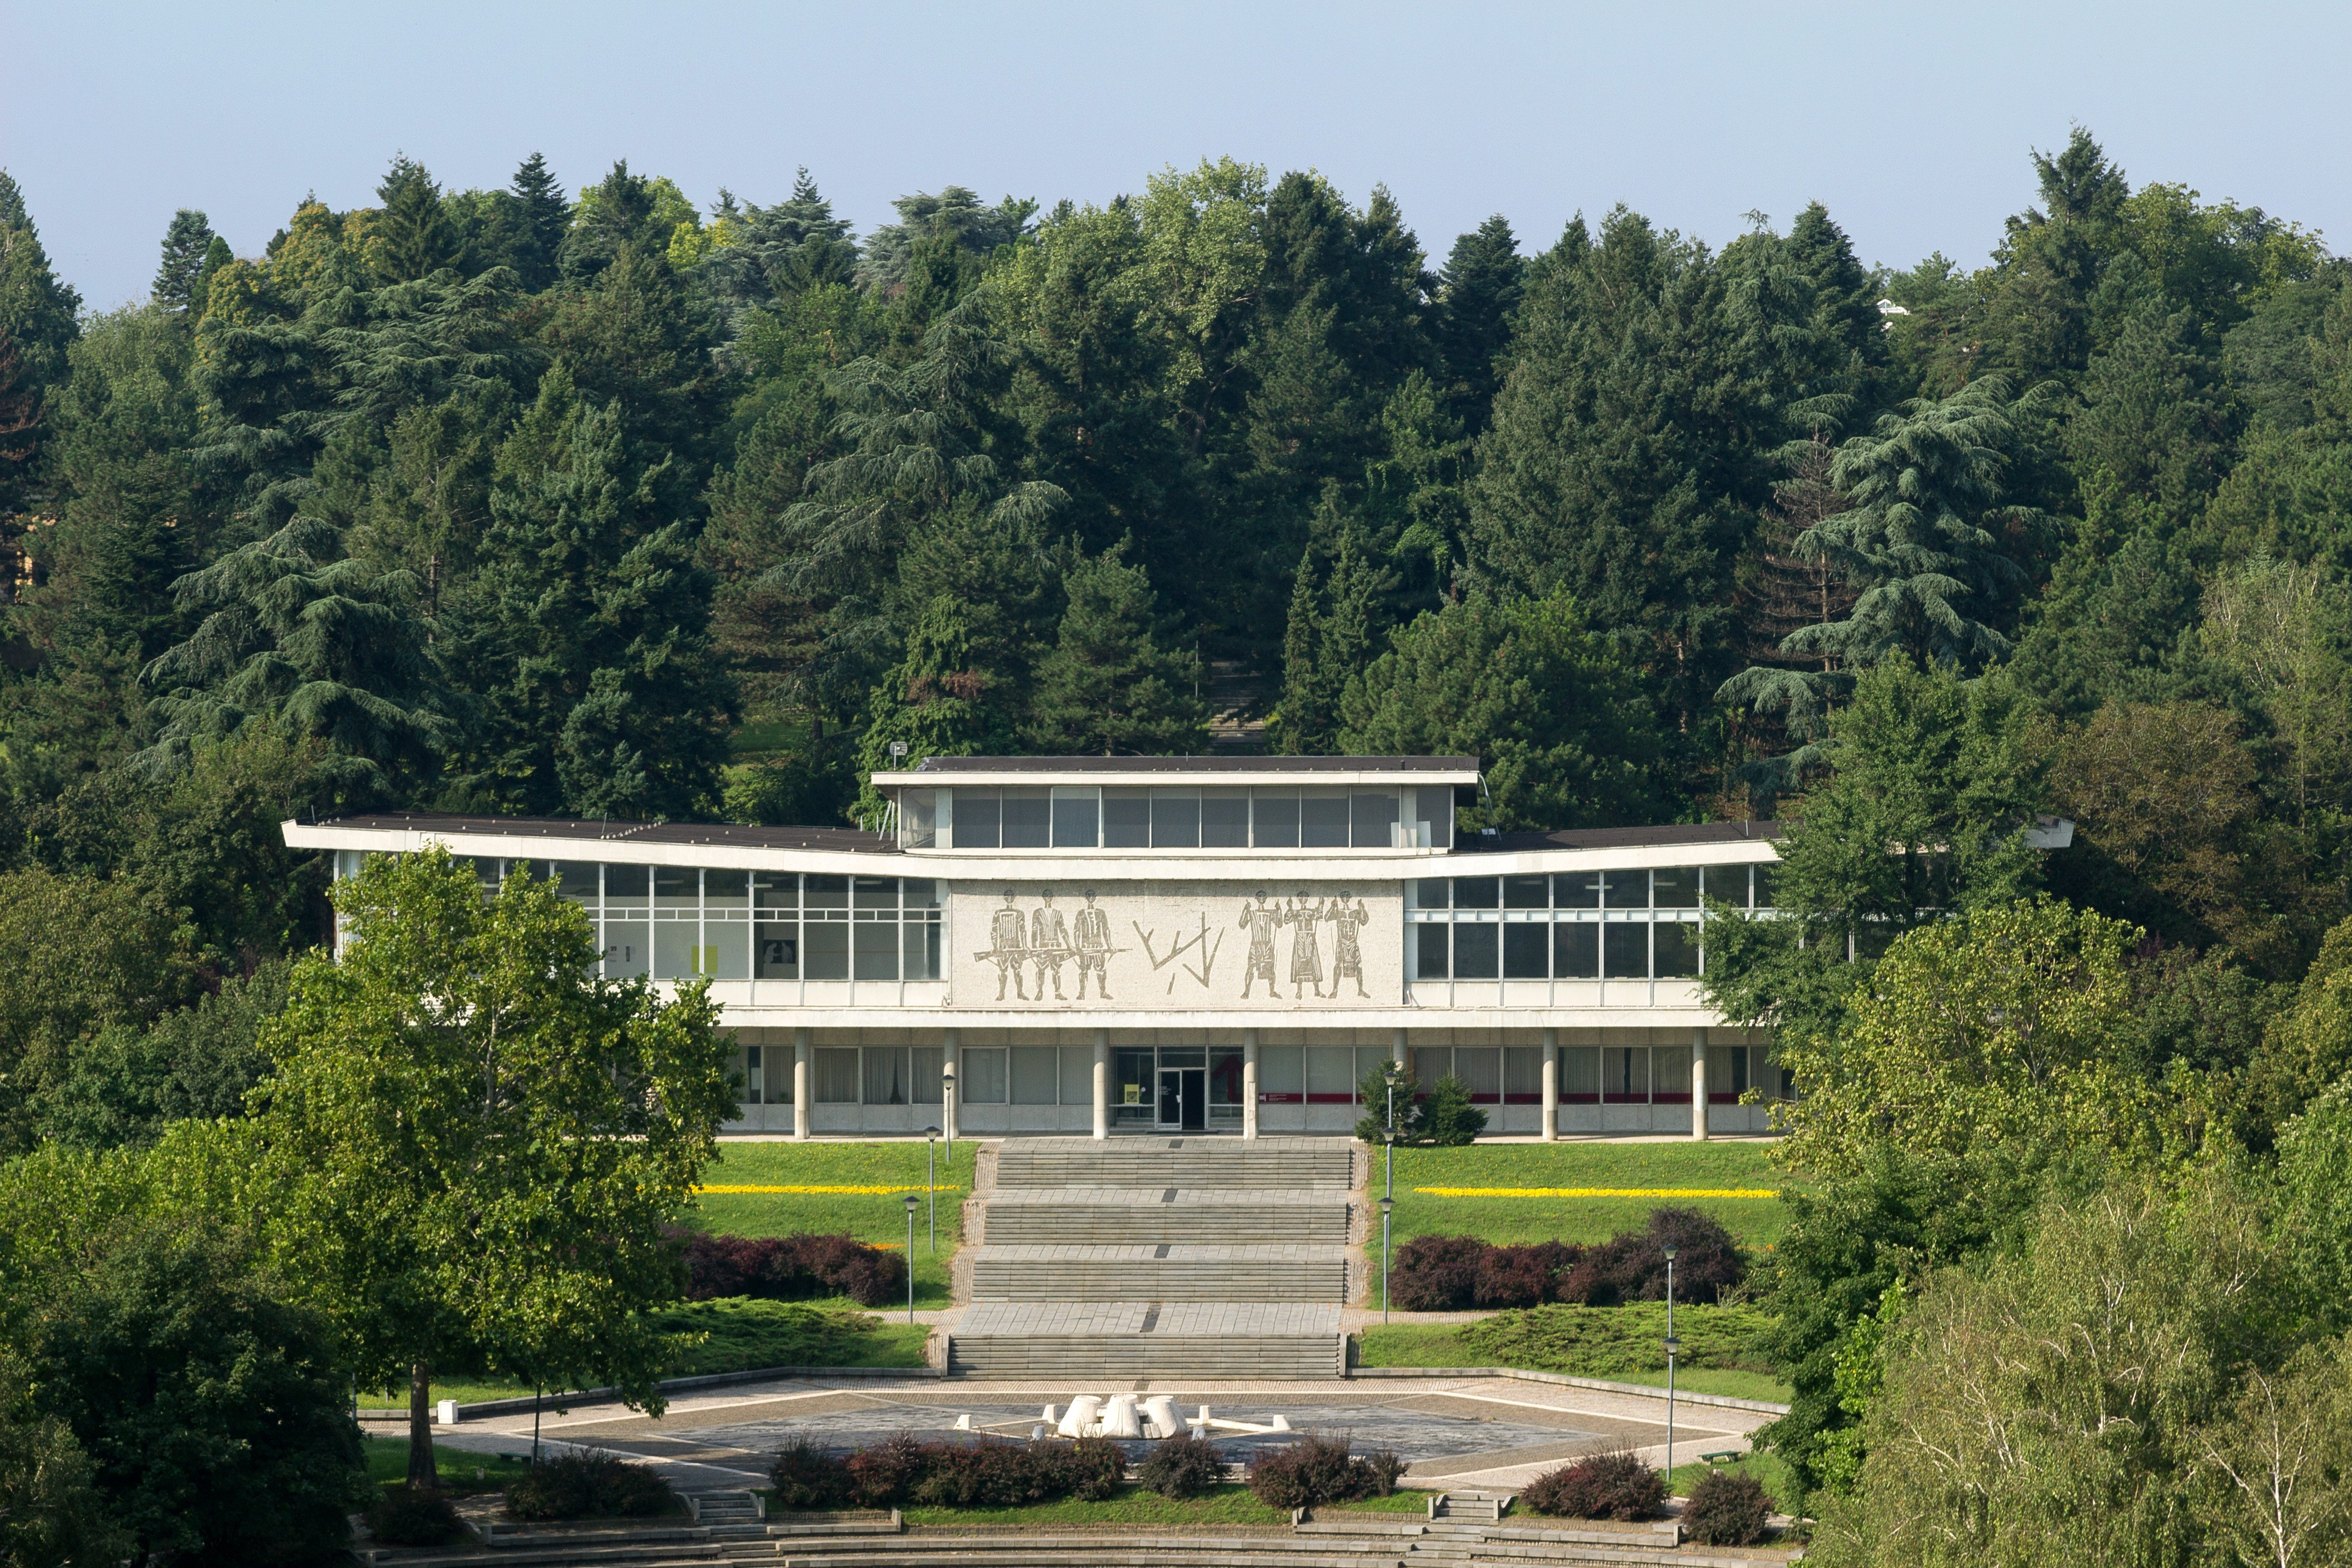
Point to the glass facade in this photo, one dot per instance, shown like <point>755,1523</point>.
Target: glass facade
<point>1639,925</point>
<point>1085,816</point>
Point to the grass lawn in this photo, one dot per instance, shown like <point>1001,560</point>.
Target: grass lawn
<point>743,1334</point>
<point>462,1470</point>
<point>1620,1344</point>
<point>1770,1470</point>
<point>878,1217</point>
<point>1642,1167</point>
<point>1230,1504</point>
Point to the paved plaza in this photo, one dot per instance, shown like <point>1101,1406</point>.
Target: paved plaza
<point>1460,1433</point>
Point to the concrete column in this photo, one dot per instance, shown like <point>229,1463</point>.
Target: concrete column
<point>1102,1083</point>
<point>803,1111</point>
<point>952,1058</point>
<point>1249,1083</point>
<point>1396,1047</point>
<point>1552,1085</point>
<point>1698,1085</point>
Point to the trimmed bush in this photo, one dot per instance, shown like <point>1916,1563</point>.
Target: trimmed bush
<point>591,1486</point>
<point>789,1267</point>
<point>1317,1469</point>
<point>1181,1467</point>
<point>1728,1508</point>
<point>1602,1486</point>
<point>884,1473</point>
<point>807,1477</point>
<point>401,1516</point>
<point>1436,1273</point>
<point>989,1473</point>
<point>1451,1119</point>
<point>1632,1266</point>
<point>1522,1275</point>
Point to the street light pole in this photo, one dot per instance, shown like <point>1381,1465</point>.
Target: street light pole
<point>910,1257</point>
<point>932,1179</point>
<point>1386,1205</point>
<point>1672,1344</point>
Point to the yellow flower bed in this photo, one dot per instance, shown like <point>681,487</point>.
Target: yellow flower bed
<point>1599,1192</point>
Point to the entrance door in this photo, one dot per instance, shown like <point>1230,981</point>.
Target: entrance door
<point>1184,1099</point>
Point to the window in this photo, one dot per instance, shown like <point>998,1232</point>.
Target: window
<point>1323,819</point>
<point>676,889</point>
<point>919,818</point>
<point>577,880</point>
<point>1027,823</point>
<point>982,1075</point>
<point>1432,814</point>
<point>1678,951</point>
<point>1330,1070</point>
<point>1762,897</point>
<point>1430,951</point>
<point>1372,820</point>
<point>755,1079</point>
<point>1526,892</point>
<point>1576,890</point>
<point>979,814</point>
<point>626,885</point>
<point>1480,1069</point>
<point>775,951</point>
<point>1625,890</point>
<point>825,950</point>
<point>836,1077</point>
<point>1430,1063</point>
<point>886,1082</point>
<point>1579,1074</point>
<point>1078,1075</point>
<point>1075,813</point>
<point>1130,1086</point>
<point>1175,819</point>
<point>875,951</point>
<point>1431,893</point>
<point>1575,950</point>
<point>1036,1073</point>
<point>1475,892</point>
<point>1127,818</point>
<point>1675,888</point>
<point>1523,1075</point>
<point>1525,955</point>
<point>1274,819</point>
<point>1625,1073</point>
<point>1625,951</point>
<point>1224,819</point>
<point>1476,952</point>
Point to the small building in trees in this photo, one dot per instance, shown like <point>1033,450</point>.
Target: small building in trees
<point>1182,945</point>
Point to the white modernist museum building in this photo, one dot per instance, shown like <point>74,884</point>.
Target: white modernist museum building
<point>1167,945</point>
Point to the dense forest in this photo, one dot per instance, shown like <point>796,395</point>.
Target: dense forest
<point>600,505</point>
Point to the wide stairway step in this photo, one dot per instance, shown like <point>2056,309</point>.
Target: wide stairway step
<point>1297,1164</point>
<point>1149,1338</point>
<point>1176,1271</point>
<point>1079,1216</point>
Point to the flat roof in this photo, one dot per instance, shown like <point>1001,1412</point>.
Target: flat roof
<point>838,838</point>
<point>1230,769</point>
<point>1665,836</point>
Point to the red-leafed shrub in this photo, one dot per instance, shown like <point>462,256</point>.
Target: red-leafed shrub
<point>1319,1469</point>
<point>1727,1508</point>
<point>988,1473</point>
<point>1602,1486</point>
<point>790,1267</point>
<point>806,1476</point>
<point>1632,1266</point>
<point>1522,1275</point>
<point>1435,1273</point>
<point>1182,1466</point>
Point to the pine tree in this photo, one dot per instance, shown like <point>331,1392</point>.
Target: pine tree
<point>36,312</point>
<point>218,254</point>
<point>20,435</point>
<point>413,238</point>
<point>1478,289</point>
<point>543,218</point>
<point>1109,685</point>
<point>937,701</point>
<point>185,246</point>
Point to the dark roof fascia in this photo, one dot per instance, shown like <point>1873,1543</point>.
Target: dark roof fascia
<point>935,766</point>
<point>738,835</point>
<point>1662,836</point>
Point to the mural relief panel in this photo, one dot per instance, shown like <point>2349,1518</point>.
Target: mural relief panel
<point>1138,945</point>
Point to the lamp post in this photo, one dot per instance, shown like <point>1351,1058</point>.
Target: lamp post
<point>948,1109</point>
<point>1390,1189</point>
<point>1672,1344</point>
<point>932,1179</point>
<point>1386,1205</point>
<point>910,1257</point>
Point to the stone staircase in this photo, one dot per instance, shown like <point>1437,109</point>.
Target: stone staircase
<point>1144,1257</point>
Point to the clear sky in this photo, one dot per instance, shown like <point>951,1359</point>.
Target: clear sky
<point>1913,123</point>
